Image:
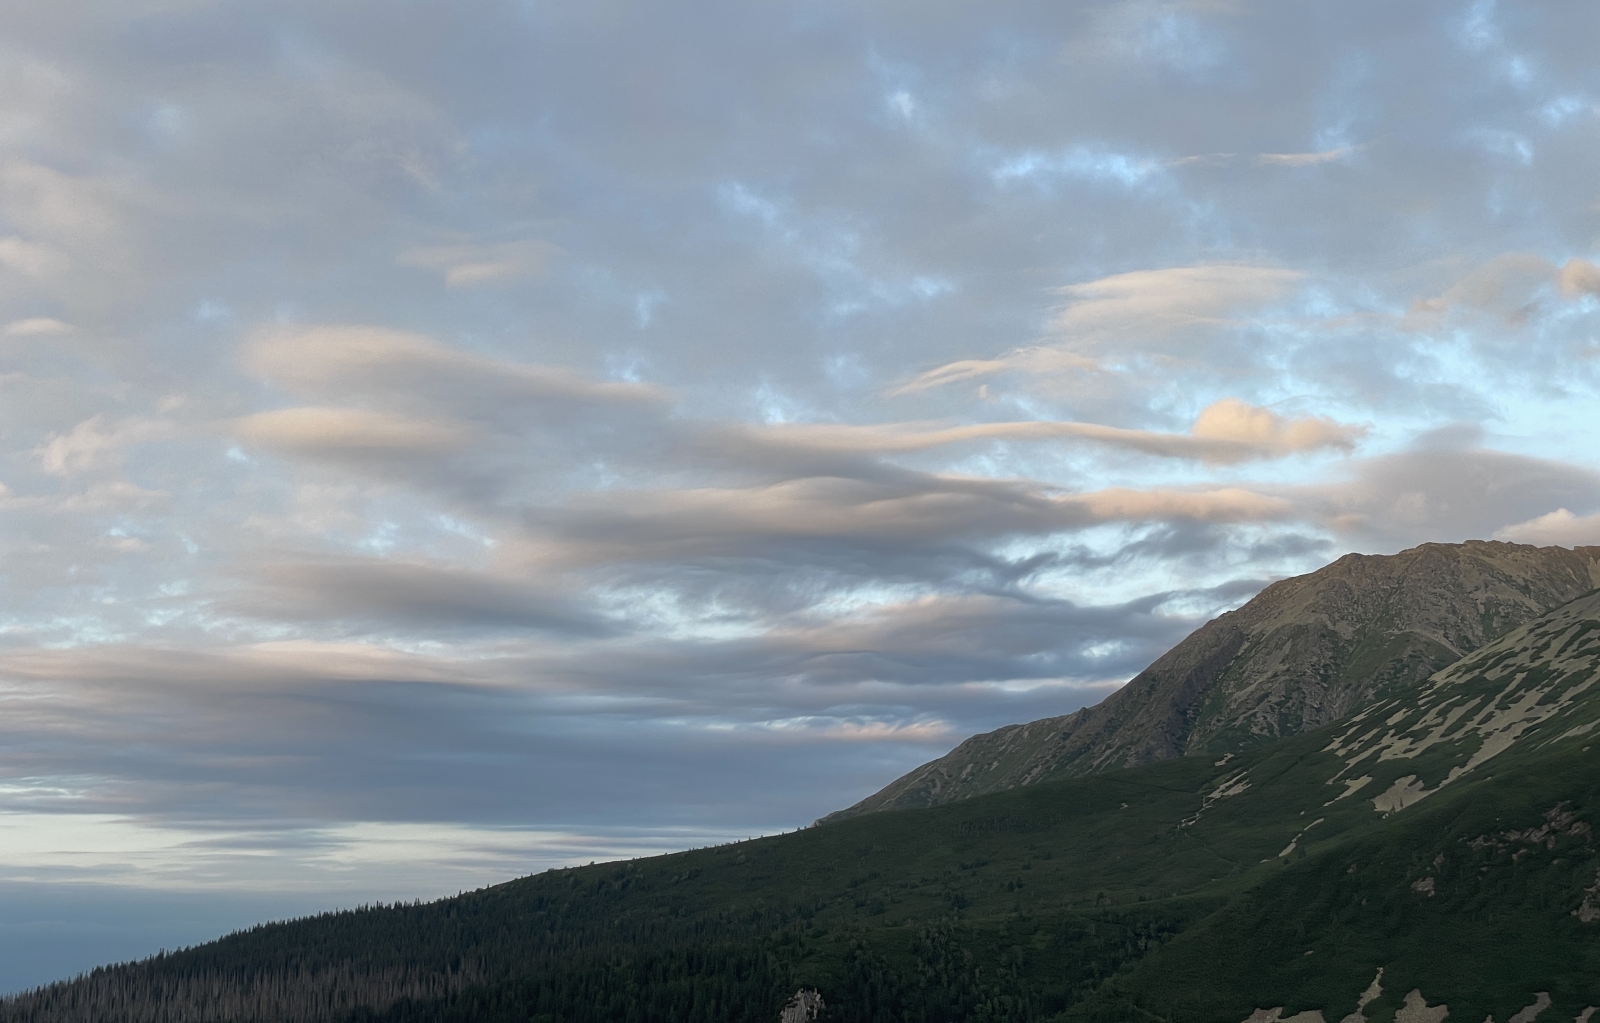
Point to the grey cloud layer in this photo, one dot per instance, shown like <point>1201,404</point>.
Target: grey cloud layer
<point>620,416</point>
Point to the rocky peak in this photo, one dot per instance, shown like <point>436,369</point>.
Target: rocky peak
<point>1304,652</point>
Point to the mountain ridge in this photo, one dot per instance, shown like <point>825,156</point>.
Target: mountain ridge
<point>1303,652</point>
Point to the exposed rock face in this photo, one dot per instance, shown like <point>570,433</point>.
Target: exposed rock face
<point>1304,652</point>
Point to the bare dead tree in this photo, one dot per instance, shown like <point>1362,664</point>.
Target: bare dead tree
<point>802,1008</point>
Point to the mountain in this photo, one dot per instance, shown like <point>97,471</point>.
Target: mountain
<point>1450,843</point>
<point>1304,652</point>
<point>1434,853</point>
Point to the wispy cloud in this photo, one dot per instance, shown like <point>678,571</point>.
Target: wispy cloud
<point>467,265</point>
<point>37,326</point>
<point>1128,314</point>
<point>1226,431</point>
<point>1305,159</point>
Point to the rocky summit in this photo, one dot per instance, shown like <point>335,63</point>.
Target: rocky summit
<point>1304,652</point>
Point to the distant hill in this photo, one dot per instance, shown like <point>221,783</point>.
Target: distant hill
<point>1432,853</point>
<point>1302,653</point>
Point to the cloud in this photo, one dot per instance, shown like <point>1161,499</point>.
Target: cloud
<point>831,513</point>
<point>1226,504</point>
<point>373,357</point>
<point>403,408</point>
<point>920,732</point>
<point>33,259</point>
<point>467,265</point>
<point>341,433</point>
<point>1203,160</point>
<point>378,360</point>
<point>107,496</point>
<point>1444,494</point>
<point>1135,309</point>
<point>97,443</point>
<point>969,369</point>
<point>1266,159</point>
<point>1232,420</point>
<point>1304,159</point>
<point>273,665</point>
<point>1506,286</point>
<point>304,731</point>
<point>410,598</point>
<point>73,210</point>
<point>924,642</point>
<point>1512,287</point>
<point>1128,314</point>
<point>1226,431</point>
<point>73,234</point>
<point>1579,277</point>
<point>1560,528</point>
<point>37,326</point>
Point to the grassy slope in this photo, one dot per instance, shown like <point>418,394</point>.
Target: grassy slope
<point>1312,934</point>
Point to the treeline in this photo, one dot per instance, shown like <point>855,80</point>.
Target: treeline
<point>1005,908</point>
<point>603,945</point>
<point>166,990</point>
<point>341,966</point>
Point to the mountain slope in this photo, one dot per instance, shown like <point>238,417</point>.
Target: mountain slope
<point>1480,876</point>
<point>1435,848</point>
<point>1302,653</point>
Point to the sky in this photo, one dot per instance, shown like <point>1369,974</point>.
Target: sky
<point>443,439</point>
